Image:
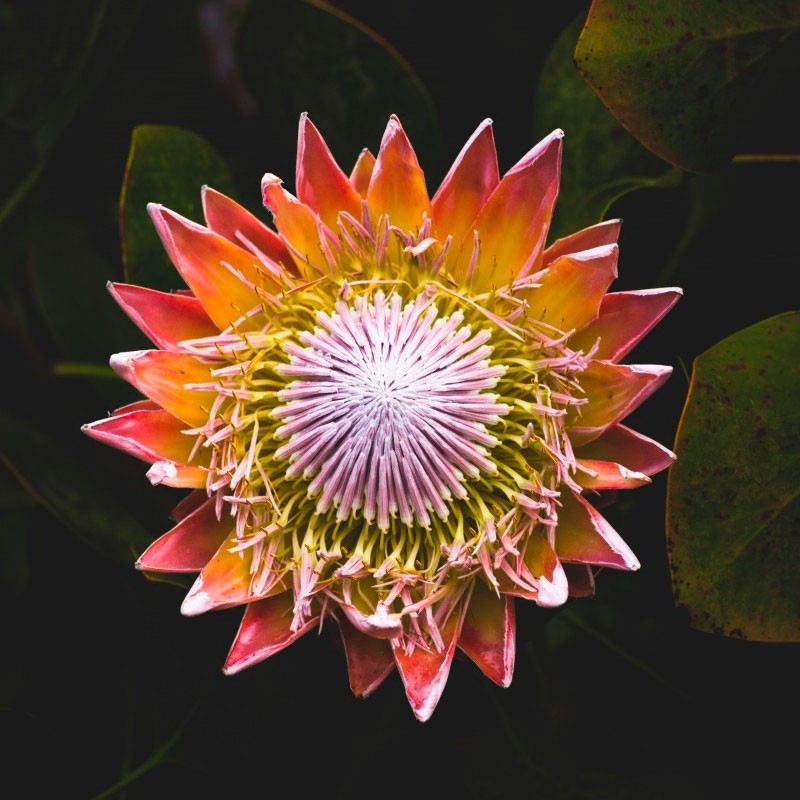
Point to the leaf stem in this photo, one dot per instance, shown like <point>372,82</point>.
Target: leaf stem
<point>23,187</point>
<point>685,371</point>
<point>80,369</point>
<point>767,158</point>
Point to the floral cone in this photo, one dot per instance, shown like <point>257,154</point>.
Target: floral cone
<point>391,411</point>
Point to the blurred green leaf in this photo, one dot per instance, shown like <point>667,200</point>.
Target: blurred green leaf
<point>49,70</point>
<point>68,491</point>
<point>166,165</point>
<point>15,569</point>
<point>12,496</point>
<point>69,279</point>
<point>311,56</point>
<point>602,162</point>
<point>680,75</point>
<point>733,515</point>
<point>15,509</point>
<point>704,194</point>
<point>157,757</point>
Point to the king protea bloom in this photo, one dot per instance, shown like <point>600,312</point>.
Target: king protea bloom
<point>394,411</point>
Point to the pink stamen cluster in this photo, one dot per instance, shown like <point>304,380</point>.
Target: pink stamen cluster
<point>387,411</point>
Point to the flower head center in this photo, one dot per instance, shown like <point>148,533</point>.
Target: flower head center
<point>387,409</point>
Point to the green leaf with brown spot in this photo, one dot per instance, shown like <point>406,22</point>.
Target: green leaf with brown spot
<point>684,76</point>
<point>602,161</point>
<point>733,506</point>
<point>166,165</point>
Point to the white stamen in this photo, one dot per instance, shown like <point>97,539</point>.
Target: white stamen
<point>387,410</point>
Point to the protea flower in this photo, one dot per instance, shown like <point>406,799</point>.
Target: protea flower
<point>393,412</point>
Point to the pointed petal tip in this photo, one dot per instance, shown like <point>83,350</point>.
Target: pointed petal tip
<point>235,665</point>
<point>622,445</point>
<point>585,536</point>
<point>163,216</point>
<point>270,179</point>
<point>553,139</point>
<point>320,183</point>
<point>482,126</point>
<point>397,185</point>
<point>610,250</point>
<point>95,430</point>
<point>369,690</point>
<point>113,289</point>
<point>656,370</point>
<point>206,192</point>
<point>270,184</point>
<point>393,128</point>
<point>265,629</point>
<point>488,635</point>
<point>122,363</point>
<point>166,318</point>
<point>631,562</point>
<point>369,660</point>
<point>197,601</point>
<point>145,434</point>
<point>156,211</point>
<point>624,319</point>
<point>467,185</point>
<point>553,593</point>
<point>424,673</point>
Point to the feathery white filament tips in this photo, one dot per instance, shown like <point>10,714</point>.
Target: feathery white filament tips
<point>387,409</point>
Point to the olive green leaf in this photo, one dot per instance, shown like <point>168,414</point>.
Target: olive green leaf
<point>733,516</point>
<point>166,165</point>
<point>682,76</point>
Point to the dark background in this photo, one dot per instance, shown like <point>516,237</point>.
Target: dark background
<point>103,680</point>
